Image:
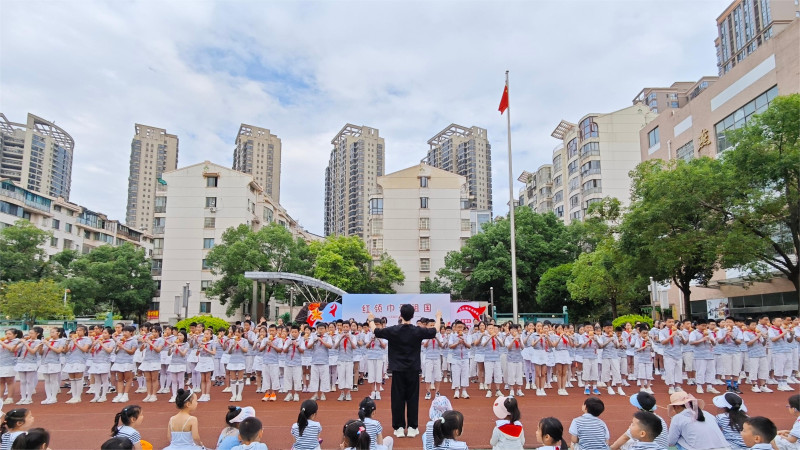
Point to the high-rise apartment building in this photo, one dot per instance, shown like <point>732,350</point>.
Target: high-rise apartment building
<point>466,152</point>
<point>356,162</point>
<point>417,217</point>
<point>538,191</point>
<point>37,155</point>
<point>594,158</point>
<point>153,152</point>
<point>258,152</point>
<point>745,25</point>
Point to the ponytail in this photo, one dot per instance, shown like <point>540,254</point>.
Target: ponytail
<point>355,432</point>
<point>34,438</point>
<point>126,416</point>
<point>13,419</point>
<point>446,426</point>
<point>307,409</point>
<point>366,408</point>
<point>550,426</point>
<point>736,417</point>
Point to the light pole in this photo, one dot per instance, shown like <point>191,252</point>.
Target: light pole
<point>652,299</point>
<point>291,303</point>
<point>491,302</point>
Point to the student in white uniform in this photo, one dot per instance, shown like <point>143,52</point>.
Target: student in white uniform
<point>101,351</point>
<point>28,364</point>
<point>459,344</point>
<point>8,359</point>
<point>77,353</point>
<point>50,366</point>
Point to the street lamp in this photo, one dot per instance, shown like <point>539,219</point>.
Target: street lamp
<point>291,303</point>
<point>491,302</point>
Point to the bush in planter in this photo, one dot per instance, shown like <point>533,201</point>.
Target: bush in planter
<point>209,321</point>
<point>632,318</point>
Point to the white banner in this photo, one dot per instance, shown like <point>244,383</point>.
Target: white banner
<point>358,306</point>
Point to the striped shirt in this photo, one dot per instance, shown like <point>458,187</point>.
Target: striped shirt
<point>702,350</point>
<point>592,433</point>
<point>130,433</point>
<point>639,445</point>
<point>76,355</point>
<point>758,349</point>
<point>427,438</point>
<point>732,436</point>
<point>8,439</point>
<point>452,444</point>
<point>310,438</point>
<point>374,428</point>
<point>662,440</point>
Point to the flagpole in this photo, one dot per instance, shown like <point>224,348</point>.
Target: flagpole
<point>511,214</point>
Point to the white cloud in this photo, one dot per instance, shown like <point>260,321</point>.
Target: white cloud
<point>304,69</point>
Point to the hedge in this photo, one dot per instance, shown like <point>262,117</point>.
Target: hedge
<point>209,321</point>
<point>632,318</point>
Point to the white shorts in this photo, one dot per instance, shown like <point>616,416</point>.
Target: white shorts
<point>590,367</point>
<point>165,358</point>
<point>688,361</point>
<point>344,374</point>
<point>138,356</point>
<point>432,370</point>
<point>492,371</point>
<point>479,357</point>
<point>248,363</point>
<point>374,370</point>
<point>644,370</point>
<point>724,364</point>
<point>74,368</point>
<point>258,363</point>
<point>551,359</point>
<point>270,377</point>
<point>123,367</point>
<point>150,366</point>
<point>176,368</point>
<point>306,361</point>
<point>100,368</point>
<point>7,372</point>
<point>782,364</point>
<point>49,368</point>
<point>514,369</point>
<point>206,364</point>
<point>757,369</point>
<point>562,357</point>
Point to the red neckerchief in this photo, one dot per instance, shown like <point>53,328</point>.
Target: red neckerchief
<point>671,339</point>
<point>74,346</point>
<point>511,429</point>
<point>564,338</point>
<point>494,344</point>
<point>516,342</point>
<point>644,343</point>
<point>50,343</point>
<point>779,330</point>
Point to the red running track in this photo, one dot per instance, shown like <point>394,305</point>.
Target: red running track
<point>87,425</point>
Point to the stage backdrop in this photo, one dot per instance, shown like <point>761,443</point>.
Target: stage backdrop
<point>358,306</point>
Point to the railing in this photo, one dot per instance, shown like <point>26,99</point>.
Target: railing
<point>158,230</point>
<point>25,200</point>
<point>158,251</point>
<point>155,272</point>
<point>590,153</point>
<point>593,190</point>
<point>592,171</point>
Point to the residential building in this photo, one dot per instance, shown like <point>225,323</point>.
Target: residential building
<point>466,152</point>
<point>538,191</point>
<point>659,99</point>
<point>746,25</point>
<point>697,129</point>
<point>36,155</point>
<point>594,159</point>
<point>478,217</point>
<point>200,203</point>
<point>153,152</point>
<point>72,226</point>
<point>417,216</point>
<point>356,162</point>
<point>258,152</point>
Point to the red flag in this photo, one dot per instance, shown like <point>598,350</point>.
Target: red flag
<point>504,101</point>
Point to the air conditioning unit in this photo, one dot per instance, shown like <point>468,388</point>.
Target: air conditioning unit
<point>212,209</point>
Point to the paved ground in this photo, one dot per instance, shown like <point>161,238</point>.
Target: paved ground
<point>87,425</point>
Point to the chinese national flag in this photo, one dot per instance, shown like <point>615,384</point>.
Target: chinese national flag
<point>504,101</point>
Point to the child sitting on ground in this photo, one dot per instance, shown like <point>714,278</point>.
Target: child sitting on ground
<point>788,439</point>
<point>446,430</point>
<point>250,432</point>
<point>508,433</point>
<point>551,433</point>
<point>439,405</point>
<point>645,427</point>
<point>355,436</point>
<point>588,430</point>
<point>229,437</point>
<point>758,432</point>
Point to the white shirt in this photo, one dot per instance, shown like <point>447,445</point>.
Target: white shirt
<point>687,432</point>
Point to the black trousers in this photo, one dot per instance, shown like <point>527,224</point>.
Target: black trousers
<point>405,399</point>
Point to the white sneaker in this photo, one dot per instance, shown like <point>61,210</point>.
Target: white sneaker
<point>541,392</point>
<point>712,390</point>
<point>528,385</point>
<point>70,401</point>
<point>620,391</point>
<point>102,399</point>
<point>399,433</point>
<point>488,394</point>
<point>481,387</point>
<point>377,395</point>
<point>172,399</point>
<point>755,388</point>
<point>771,381</point>
<point>765,389</point>
<point>498,393</point>
<point>611,391</point>
<point>456,394</point>
<point>412,432</point>
<point>690,382</point>
<point>322,397</point>
<point>141,390</point>
<point>296,398</point>
<point>341,396</point>
<point>671,390</point>
<point>464,393</point>
<point>227,389</point>
<point>233,397</point>
<point>625,383</point>
<point>793,380</point>
<point>288,397</point>
<point>562,392</point>
<point>699,389</point>
<point>601,384</point>
<point>520,393</point>
<point>649,390</point>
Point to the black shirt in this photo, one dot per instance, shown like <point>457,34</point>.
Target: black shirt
<point>405,343</point>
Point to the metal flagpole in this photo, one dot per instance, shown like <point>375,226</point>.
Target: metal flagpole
<point>511,213</point>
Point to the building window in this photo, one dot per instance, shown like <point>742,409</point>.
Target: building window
<point>590,168</point>
<point>208,242</point>
<point>424,264</point>
<point>465,203</point>
<point>588,129</point>
<point>209,222</point>
<point>376,226</point>
<point>576,215</point>
<point>559,211</point>
<point>424,223</point>
<point>572,167</point>
<point>556,163</point>
<point>589,149</point>
<point>558,197</point>
<point>57,208</point>
<point>466,225</point>
<point>686,151</point>
<point>423,202</point>
<point>376,206</point>
<point>573,202</point>
<point>68,227</point>
<point>572,148</point>
<point>205,307</point>
<point>592,187</point>
<point>653,137</point>
<point>160,204</point>
<point>205,265</point>
<point>425,242</point>
<point>205,285</point>
<point>377,244</point>
<point>423,182</point>
<point>741,116</point>
<point>558,180</point>
<point>211,181</point>
<point>53,242</point>
<point>56,224</point>
<point>211,202</point>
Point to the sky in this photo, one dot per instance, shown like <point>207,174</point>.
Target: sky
<point>303,69</point>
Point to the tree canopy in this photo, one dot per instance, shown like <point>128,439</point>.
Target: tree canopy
<point>346,263</point>
<point>31,300</point>
<point>22,256</point>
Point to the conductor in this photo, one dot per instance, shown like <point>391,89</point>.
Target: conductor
<point>405,341</point>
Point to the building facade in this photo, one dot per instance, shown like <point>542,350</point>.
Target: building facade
<point>466,152</point>
<point>356,162</point>
<point>37,155</point>
<point>153,152</point>
<point>697,129</point>
<point>594,159</point>
<point>72,227</point>
<point>258,152</point>
<point>538,191</point>
<point>200,203</point>
<point>418,215</point>
<point>746,25</point>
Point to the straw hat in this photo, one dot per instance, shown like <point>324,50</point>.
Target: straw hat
<point>681,398</point>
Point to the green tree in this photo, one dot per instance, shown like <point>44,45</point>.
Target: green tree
<point>667,230</point>
<point>111,277</point>
<point>552,295</point>
<point>485,261</point>
<point>21,253</point>
<point>762,170</point>
<point>270,249</point>
<point>345,263</point>
<point>606,277</point>
<point>32,300</point>
<point>434,286</point>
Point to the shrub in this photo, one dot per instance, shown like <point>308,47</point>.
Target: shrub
<point>208,321</point>
<point>632,318</point>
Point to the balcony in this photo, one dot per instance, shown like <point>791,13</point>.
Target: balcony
<point>158,230</point>
<point>158,251</point>
<point>155,272</point>
<point>594,190</point>
<point>592,171</point>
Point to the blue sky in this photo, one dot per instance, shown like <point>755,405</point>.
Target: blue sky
<point>304,69</point>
